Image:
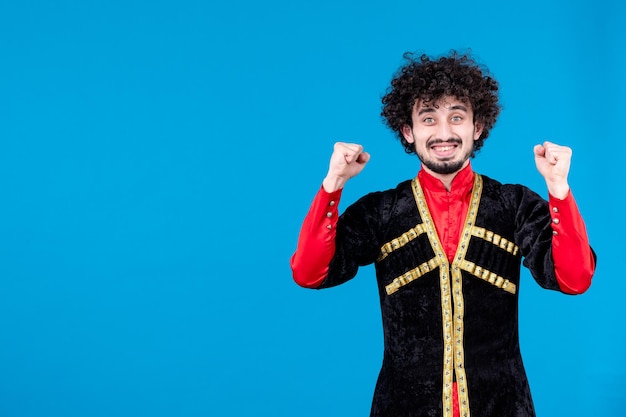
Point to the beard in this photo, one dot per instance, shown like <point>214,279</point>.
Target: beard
<point>444,167</point>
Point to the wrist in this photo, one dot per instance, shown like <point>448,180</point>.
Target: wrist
<point>333,183</point>
<point>559,191</point>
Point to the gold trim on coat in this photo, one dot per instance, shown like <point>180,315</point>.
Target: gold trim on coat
<point>451,285</point>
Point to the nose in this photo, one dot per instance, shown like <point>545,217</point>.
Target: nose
<point>444,130</point>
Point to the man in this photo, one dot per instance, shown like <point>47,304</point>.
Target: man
<point>447,247</point>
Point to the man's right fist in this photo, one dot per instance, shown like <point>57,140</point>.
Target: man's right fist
<point>347,160</point>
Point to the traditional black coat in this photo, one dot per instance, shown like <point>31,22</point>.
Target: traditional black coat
<point>447,322</point>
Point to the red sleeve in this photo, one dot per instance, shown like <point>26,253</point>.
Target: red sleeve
<point>574,262</point>
<point>316,244</point>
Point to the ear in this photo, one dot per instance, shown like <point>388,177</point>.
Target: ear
<point>478,130</point>
<point>407,132</point>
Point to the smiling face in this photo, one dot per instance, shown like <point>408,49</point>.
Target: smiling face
<point>443,134</point>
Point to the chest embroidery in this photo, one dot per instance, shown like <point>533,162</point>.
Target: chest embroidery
<point>439,260</point>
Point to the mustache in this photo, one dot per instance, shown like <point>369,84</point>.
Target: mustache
<point>433,142</point>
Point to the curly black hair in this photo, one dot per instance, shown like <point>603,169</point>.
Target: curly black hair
<point>456,75</point>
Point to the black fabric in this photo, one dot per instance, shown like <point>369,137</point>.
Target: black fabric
<point>410,382</point>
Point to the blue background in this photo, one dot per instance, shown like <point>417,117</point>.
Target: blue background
<point>157,159</point>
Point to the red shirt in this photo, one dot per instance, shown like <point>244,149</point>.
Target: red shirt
<point>573,260</point>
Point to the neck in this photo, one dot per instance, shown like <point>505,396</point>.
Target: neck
<point>446,179</point>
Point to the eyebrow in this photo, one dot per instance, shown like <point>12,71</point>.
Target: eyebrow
<point>432,109</point>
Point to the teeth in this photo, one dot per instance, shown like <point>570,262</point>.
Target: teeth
<point>444,148</point>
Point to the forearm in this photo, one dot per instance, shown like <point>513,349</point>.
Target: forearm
<point>574,261</point>
<point>316,243</point>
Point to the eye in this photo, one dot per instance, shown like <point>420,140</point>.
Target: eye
<point>457,118</point>
<point>429,120</point>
